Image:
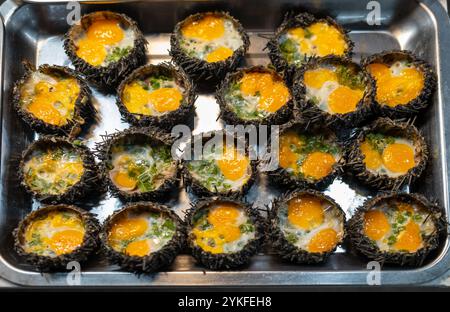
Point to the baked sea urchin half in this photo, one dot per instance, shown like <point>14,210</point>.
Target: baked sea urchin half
<point>404,83</point>
<point>397,228</point>
<point>224,168</point>
<point>255,95</point>
<point>52,99</point>
<point>158,95</point>
<point>55,169</point>
<point>303,37</point>
<point>223,233</point>
<point>52,236</point>
<point>143,237</point>
<point>306,226</point>
<point>307,157</point>
<point>137,164</point>
<point>388,154</point>
<point>105,47</point>
<point>334,91</point>
<point>208,45</point>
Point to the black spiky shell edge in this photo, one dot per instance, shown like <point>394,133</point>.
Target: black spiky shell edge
<point>107,77</point>
<point>286,250</point>
<point>415,105</point>
<point>167,120</point>
<point>155,261</point>
<point>80,254</point>
<point>197,188</point>
<point>280,177</point>
<point>224,260</point>
<point>154,136</point>
<point>355,158</point>
<point>201,70</point>
<point>229,115</point>
<point>365,246</point>
<point>300,20</point>
<point>314,114</point>
<point>88,182</point>
<point>83,106</point>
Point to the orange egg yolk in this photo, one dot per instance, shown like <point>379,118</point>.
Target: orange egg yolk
<point>398,157</point>
<point>316,78</point>
<point>287,157</point>
<point>219,54</point>
<point>405,207</point>
<point>127,228</point>
<point>124,181</point>
<point>273,93</point>
<point>66,241</point>
<point>396,90</point>
<point>139,101</point>
<point>305,212</point>
<point>410,239</point>
<point>100,33</point>
<point>54,103</point>
<point>376,224</point>
<point>139,248</point>
<point>232,164</point>
<point>344,100</point>
<point>325,240</point>
<point>320,39</point>
<point>318,165</point>
<point>372,158</point>
<point>206,29</point>
<point>223,219</point>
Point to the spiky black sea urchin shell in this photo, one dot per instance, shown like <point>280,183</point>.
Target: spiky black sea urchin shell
<point>197,187</point>
<point>364,245</point>
<point>83,107</point>
<point>88,182</point>
<point>149,135</point>
<point>46,263</point>
<point>106,77</point>
<point>300,20</point>
<point>166,120</point>
<point>281,177</point>
<point>225,260</point>
<point>417,104</point>
<point>201,70</point>
<point>313,113</point>
<point>155,260</point>
<point>286,249</point>
<point>229,115</point>
<point>355,157</point>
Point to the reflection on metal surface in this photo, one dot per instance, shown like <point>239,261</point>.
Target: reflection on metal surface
<point>35,33</point>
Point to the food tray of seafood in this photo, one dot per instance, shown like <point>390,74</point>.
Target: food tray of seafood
<point>224,143</point>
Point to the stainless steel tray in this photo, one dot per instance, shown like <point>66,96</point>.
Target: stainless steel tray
<point>34,30</point>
